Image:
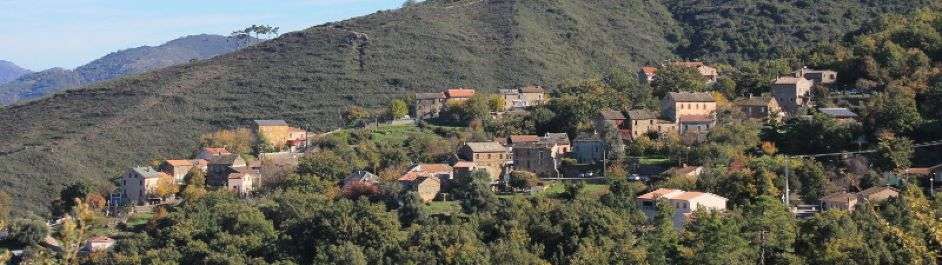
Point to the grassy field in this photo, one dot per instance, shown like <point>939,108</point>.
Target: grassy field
<point>139,219</point>
<point>437,207</point>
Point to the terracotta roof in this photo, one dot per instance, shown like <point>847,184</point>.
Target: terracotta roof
<point>686,196</point>
<point>215,150</point>
<point>271,123</point>
<point>459,93</point>
<point>649,70</point>
<point>838,112</point>
<point>872,190</point>
<point>486,147</point>
<point>787,80</point>
<point>659,193</point>
<point>200,162</point>
<point>424,170</point>
<point>696,118</point>
<point>524,138</point>
<point>922,171</point>
<point>437,95</point>
<point>532,89</point>
<point>641,114</point>
<point>691,97</point>
<point>610,114</point>
<point>181,163</point>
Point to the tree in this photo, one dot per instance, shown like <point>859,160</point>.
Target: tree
<point>476,194</point>
<point>194,184</point>
<point>28,232</point>
<point>716,239</point>
<point>398,109</point>
<point>523,180</point>
<point>676,78</point>
<point>166,186</point>
<point>412,210</point>
<point>614,146</point>
<point>326,164</point>
<point>894,110</point>
<point>67,196</point>
<point>355,114</point>
<point>258,30</point>
<point>893,153</point>
<point>496,103</point>
<point>726,86</point>
<point>773,229</point>
<point>237,141</point>
<point>664,242</point>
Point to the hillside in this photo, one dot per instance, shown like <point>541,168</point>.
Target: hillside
<point>117,64</point>
<point>10,71</point>
<point>308,77</point>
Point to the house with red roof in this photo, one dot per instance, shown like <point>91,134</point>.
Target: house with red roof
<point>427,180</point>
<point>456,95</point>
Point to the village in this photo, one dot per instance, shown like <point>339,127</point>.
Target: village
<point>611,145</point>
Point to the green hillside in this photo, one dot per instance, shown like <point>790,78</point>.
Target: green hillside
<point>307,77</point>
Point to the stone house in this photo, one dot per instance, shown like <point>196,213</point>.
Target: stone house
<point>458,95</point>
<point>512,99</point>
<point>792,93</point>
<point>539,158</point>
<point>640,122</point>
<point>463,169</point>
<point>709,73</point>
<point>139,184</point>
<point>220,167</point>
<point>685,203</point>
<point>491,156</point>
<point>427,179</point>
<point>428,105</point>
<point>612,116</point>
<point>878,194</point>
<point>824,77</point>
<point>179,168</point>
<point>207,153</point>
<point>533,95</point>
<point>588,148</point>
<point>760,108</point>
<point>693,112</point>
<point>561,144</point>
<point>848,201</point>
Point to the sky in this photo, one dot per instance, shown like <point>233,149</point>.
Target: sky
<point>41,34</point>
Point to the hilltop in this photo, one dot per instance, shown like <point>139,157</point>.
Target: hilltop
<point>307,77</point>
<point>117,64</point>
<point>10,71</point>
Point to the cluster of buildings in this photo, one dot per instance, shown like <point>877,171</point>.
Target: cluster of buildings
<point>223,168</point>
<point>430,105</point>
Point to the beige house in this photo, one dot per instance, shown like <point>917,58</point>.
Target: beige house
<point>179,168</point>
<point>684,203</point>
<point>243,181</point>
<point>760,108</point>
<point>641,122</point>
<point>280,135</point>
<point>533,95</point>
<point>491,156</point>
<point>692,112</point>
<point>824,77</point>
<point>139,185</point>
<point>707,72</point>
<point>792,93</point>
<point>98,243</point>
<point>427,179</point>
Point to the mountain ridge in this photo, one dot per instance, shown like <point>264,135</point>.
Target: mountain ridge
<point>119,63</point>
<point>9,71</point>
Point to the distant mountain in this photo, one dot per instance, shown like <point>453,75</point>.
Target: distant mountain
<point>10,71</point>
<point>117,64</point>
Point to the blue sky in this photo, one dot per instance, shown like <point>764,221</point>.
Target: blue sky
<point>40,34</point>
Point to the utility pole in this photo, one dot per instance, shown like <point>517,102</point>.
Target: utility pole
<point>785,198</point>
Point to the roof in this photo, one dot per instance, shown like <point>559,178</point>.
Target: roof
<point>755,101</point>
<point>687,64</point>
<point>642,114</point>
<point>648,70</point>
<point>425,170</point>
<point>691,97</point>
<point>660,193</point>
<point>532,145</point>
<point>840,197</point>
<point>558,138</point>
<point>215,150</point>
<point>695,119</point>
<point>486,147</point>
<point>436,95</point>
<point>874,190</point>
<point>787,80</point>
<point>838,112</point>
<point>271,123</point>
<point>226,159</point>
<point>181,163</point>
<point>146,172</point>
<point>532,89</point>
<point>364,176</point>
<point>587,137</point>
<point>459,93</point>
<point>610,114</point>
<point>524,138</point>
<point>465,164</point>
<point>509,91</point>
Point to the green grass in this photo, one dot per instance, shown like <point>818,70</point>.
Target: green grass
<point>654,161</point>
<point>556,189</point>
<point>139,219</point>
<point>394,135</point>
<point>437,207</point>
